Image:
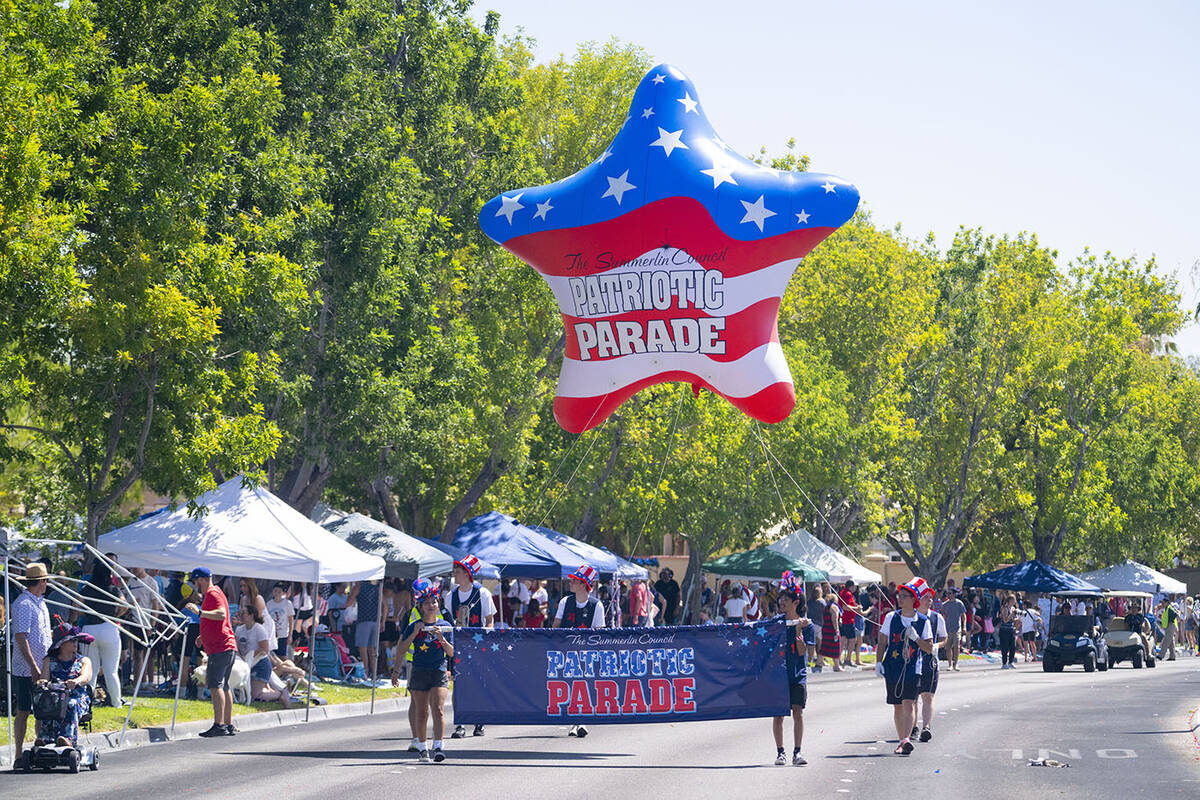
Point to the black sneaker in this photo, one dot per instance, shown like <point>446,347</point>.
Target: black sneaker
<point>423,757</point>
<point>459,732</point>
<point>438,755</point>
<point>906,747</point>
<point>926,735</point>
<point>215,730</point>
<point>478,731</point>
<point>914,733</point>
<point>230,730</point>
<point>581,731</point>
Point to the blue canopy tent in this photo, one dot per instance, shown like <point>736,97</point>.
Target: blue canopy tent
<point>486,568</point>
<point>608,564</point>
<point>1030,576</point>
<point>516,549</point>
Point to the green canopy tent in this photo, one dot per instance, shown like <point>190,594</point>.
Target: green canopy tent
<point>761,563</point>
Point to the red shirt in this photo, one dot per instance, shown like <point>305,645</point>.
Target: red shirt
<point>848,599</point>
<point>532,621</point>
<point>216,635</point>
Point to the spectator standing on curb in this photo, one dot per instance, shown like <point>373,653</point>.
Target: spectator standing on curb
<point>668,588</point>
<point>816,613</point>
<point>848,601</point>
<point>216,635</point>
<point>281,612</point>
<point>31,641</point>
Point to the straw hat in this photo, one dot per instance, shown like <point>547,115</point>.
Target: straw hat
<point>36,571</point>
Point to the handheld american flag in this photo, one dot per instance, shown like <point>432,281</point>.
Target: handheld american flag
<point>668,256</point>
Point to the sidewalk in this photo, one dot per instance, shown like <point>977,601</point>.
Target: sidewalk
<point>136,737</point>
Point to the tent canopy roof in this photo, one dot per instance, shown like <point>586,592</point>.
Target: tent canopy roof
<point>608,564</point>
<point>761,563</point>
<point>1134,577</point>
<point>518,550</point>
<point>803,546</point>
<point>246,530</point>
<point>1029,576</point>
<point>405,556</point>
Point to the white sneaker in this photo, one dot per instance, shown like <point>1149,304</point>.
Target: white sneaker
<point>424,757</point>
<point>781,759</point>
<point>798,760</point>
<point>581,731</point>
<point>571,731</point>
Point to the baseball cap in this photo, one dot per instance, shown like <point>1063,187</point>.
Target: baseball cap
<point>200,572</point>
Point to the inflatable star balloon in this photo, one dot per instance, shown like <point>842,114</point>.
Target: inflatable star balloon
<point>668,256</point>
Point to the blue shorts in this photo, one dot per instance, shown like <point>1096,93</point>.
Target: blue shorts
<point>261,671</point>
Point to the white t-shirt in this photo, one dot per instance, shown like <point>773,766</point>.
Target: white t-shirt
<point>302,601</point>
<point>540,595</point>
<point>939,625</point>
<point>597,617</point>
<point>145,592</point>
<point>280,612</point>
<point>735,607</point>
<point>907,622</point>
<point>486,606</point>
<point>249,640</point>
<point>1029,620</point>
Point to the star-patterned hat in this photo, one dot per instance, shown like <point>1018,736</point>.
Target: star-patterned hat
<point>586,575</point>
<point>668,256</point>
<point>470,564</point>
<point>916,587</point>
<point>423,590</point>
<point>789,584</point>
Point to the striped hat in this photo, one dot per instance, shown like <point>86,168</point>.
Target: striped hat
<point>789,584</point>
<point>422,590</point>
<point>916,587</point>
<point>586,575</point>
<point>470,564</point>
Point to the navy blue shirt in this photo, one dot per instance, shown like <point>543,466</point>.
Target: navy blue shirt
<point>427,652</point>
<point>797,660</point>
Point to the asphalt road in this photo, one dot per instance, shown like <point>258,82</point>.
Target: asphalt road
<point>1124,733</point>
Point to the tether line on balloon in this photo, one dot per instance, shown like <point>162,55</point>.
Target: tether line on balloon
<point>661,469</point>
<point>567,455</point>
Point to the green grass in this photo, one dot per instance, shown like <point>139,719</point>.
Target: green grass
<point>155,712</point>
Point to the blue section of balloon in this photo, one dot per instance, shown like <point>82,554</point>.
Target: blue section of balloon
<point>668,148</point>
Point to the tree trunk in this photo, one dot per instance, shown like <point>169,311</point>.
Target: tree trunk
<point>490,473</point>
<point>691,585</point>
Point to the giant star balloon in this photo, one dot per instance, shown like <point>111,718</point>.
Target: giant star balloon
<point>668,256</point>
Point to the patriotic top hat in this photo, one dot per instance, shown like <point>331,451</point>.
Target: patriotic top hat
<point>470,564</point>
<point>789,584</point>
<point>423,590</point>
<point>916,587</point>
<point>586,575</point>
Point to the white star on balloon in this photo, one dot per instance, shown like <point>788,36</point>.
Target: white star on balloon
<point>829,188</point>
<point>509,206</point>
<point>604,156</point>
<point>669,141</point>
<point>543,209</point>
<point>802,217</point>
<point>647,113</point>
<point>617,187</point>
<point>659,78</point>
<point>721,172</point>
<point>688,103</point>
<point>757,212</point>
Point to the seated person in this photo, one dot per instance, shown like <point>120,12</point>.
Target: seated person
<point>1135,621</point>
<point>534,618</point>
<point>255,646</point>
<point>63,664</point>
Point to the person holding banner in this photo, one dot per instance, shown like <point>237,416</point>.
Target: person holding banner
<point>905,638</point>
<point>801,634</point>
<point>469,605</point>
<point>580,610</point>
<point>432,640</point>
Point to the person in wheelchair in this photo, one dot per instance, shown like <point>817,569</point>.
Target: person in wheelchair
<point>63,664</point>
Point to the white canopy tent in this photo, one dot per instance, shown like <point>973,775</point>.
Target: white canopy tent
<point>1134,577</point>
<point>803,546</point>
<point>246,530</point>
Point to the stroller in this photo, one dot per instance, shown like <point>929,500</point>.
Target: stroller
<point>50,709</point>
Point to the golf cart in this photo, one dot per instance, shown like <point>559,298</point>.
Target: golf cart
<point>1124,644</point>
<point>1075,638</point>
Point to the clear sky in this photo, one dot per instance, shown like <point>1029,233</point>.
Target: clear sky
<point>1078,121</point>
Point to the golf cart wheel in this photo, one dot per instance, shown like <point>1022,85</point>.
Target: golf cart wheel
<point>1047,665</point>
<point>73,762</point>
<point>1102,664</point>
<point>1089,663</point>
<point>1137,660</point>
<point>26,763</point>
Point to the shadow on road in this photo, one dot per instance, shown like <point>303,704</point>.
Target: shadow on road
<point>452,754</point>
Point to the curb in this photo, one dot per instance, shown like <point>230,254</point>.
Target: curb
<point>107,741</point>
<point>1194,729</point>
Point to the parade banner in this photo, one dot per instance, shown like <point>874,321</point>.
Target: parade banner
<point>539,676</point>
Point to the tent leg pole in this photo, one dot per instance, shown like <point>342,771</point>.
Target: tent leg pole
<point>133,700</point>
<point>312,645</point>
<point>12,743</point>
<point>375,666</point>
<point>179,680</point>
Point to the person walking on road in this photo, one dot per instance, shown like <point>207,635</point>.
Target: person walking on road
<point>469,605</point>
<point>580,610</point>
<point>432,640</point>
<point>905,639</point>
<point>1170,622</point>
<point>32,637</point>
<point>953,612</point>
<point>1031,621</point>
<point>800,634</point>
<point>929,675</point>
<point>1008,633</point>
<point>216,636</point>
